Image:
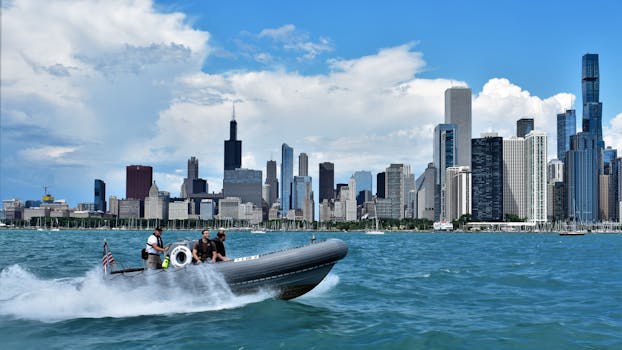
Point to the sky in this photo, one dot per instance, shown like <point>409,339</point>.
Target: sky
<point>89,87</point>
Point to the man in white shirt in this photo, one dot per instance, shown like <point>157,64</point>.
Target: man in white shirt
<point>154,248</point>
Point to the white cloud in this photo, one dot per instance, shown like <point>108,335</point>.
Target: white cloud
<point>297,40</point>
<point>500,104</point>
<point>612,133</point>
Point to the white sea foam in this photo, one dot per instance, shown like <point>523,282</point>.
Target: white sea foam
<point>24,295</point>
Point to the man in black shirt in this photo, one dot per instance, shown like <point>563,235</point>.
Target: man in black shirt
<point>221,254</point>
<point>204,250</point>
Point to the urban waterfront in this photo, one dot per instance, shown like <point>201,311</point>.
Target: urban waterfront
<point>393,291</point>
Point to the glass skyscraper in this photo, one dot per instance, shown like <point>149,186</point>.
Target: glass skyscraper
<point>287,178</point>
<point>445,152</point>
<point>487,179</point>
<point>566,127</point>
<point>100,195</point>
<point>581,176</point>
<point>363,183</point>
<point>592,107</point>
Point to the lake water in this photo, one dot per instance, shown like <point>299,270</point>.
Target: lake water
<point>392,291</point>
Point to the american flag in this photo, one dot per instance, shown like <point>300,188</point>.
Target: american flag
<point>107,258</point>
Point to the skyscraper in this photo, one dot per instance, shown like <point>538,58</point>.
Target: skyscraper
<point>458,191</point>
<point>192,184</point>
<point>425,187</point>
<point>233,146</point>
<point>100,195</point>
<point>193,168</point>
<point>524,126</point>
<point>287,178</point>
<point>363,185</point>
<point>581,176</point>
<point>272,181</point>
<point>592,108</point>
<point>458,112</point>
<point>487,178</point>
<point>327,181</point>
<point>244,184</point>
<point>138,180</point>
<point>535,172</point>
<point>380,185</point>
<point>396,188</point>
<point>566,127</point>
<point>445,153</point>
<point>303,164</point>
<point>514,202</point>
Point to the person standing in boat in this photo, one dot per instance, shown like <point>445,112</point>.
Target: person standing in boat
<point>204,250</point>
<point>154,248</point>
<point>221,254</point>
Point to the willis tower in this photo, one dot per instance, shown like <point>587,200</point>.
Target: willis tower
<point>233,146</point>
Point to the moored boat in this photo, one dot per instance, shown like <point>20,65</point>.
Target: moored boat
<point>287,273</point>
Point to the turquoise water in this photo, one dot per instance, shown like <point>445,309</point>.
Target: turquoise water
<point>392,291</point>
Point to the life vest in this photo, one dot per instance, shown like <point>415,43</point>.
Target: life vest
<point>160,244</point>
<point>205,250</point>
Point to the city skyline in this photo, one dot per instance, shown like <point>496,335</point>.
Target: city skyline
<point>158,99</point>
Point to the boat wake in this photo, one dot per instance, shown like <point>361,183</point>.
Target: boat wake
<point>26,296</point>
<point>329,283</point>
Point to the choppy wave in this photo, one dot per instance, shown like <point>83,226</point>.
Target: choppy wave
<point>26,296</point>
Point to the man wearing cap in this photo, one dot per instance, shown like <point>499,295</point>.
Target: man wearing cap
<point>221,254</point>
<point>154,248</point>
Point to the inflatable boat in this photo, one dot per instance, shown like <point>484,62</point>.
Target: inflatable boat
<point>288,273</point>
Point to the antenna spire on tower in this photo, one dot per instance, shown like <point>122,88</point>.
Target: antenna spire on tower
<point>233,114</point>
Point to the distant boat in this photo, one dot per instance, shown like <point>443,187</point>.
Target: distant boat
<point>376,231</point>
<point>443,226</point>
<point>572,233</point>
<point>258,231</point>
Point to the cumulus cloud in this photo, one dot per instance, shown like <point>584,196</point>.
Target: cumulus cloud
<point>612,133</point>
<point>501,103</point>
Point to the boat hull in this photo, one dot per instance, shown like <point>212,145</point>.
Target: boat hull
<point>288,273</point>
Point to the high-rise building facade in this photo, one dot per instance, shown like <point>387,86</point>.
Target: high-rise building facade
<point>458,112</point>
<point>524,126</point>
<point>566,127</point>
<point>327,182</point>
<point>536,179</point>
<point>487,179</point>
<point>193,184</point>
<point>156,204</point>
<point>100,195</point>
<point>244,184</point>
<point>303,164</point>
<point>233,146</point>
<point>303,196</point>
<point>380,184</point>
<point>514,191</point>
<point>396,188</point>
<point>555,171</point>
<point>363,185</point>
<point>273,192</point>
<point>425,187</point>
<point>458,192</point>
<point>138,179</point>
<point>581,177</point>
<point>592,107</point>
<point>444,154</point>
<point>287,178</point>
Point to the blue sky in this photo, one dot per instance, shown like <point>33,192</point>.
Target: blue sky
<point>89,87</point>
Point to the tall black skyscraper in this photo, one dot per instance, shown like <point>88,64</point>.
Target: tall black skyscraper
<point>233,146</point>
<point>487,179</point>
<point>100,195</point>
<point>138,180</point>
<point>380,182</point>
<point>524,126</point>
<point>592,108</point>
<point>327,181</point>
